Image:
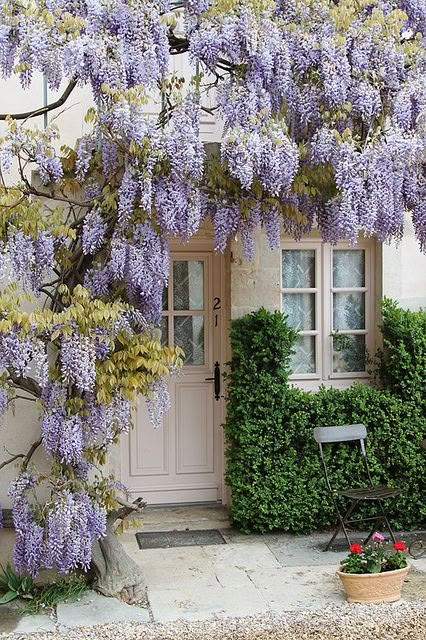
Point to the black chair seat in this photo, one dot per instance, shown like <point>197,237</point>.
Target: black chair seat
<point>370,493</point>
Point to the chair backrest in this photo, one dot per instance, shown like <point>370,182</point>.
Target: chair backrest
<point>344,433</point>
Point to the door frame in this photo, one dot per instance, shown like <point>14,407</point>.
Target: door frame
<point>221,293</point>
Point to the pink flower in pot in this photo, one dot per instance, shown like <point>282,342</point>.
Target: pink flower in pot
<point>377,536</point>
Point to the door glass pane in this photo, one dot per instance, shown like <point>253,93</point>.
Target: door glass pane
<point>189,335</point>
<point>165,298</point>
<point>348,354</point>
<point>164,330</point>
<point>348,268</point>
<point>303,361</point>
<point>188,285</point>
<point>300,309</point>
<point>348,311</point>
<point>298,268</point>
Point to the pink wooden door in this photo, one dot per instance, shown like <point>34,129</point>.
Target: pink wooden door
<point>181,462</point>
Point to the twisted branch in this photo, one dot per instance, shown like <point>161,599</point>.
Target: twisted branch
<point>42,110</point>
<point>26,384</point>
<point>26,457</point>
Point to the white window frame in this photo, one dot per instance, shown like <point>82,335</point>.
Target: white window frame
<point>315,246</point>
<point>324,309</point>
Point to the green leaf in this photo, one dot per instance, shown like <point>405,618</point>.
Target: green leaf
<point>8,597</point>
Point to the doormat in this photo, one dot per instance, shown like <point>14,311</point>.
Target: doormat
<point>167,539</point>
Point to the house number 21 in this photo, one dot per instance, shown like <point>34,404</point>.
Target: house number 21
<point>216,307</point>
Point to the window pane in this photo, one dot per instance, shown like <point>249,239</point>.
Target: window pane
<point>300,309</point>
<point>188,285</point>
<point>348,311</point>
<point>348,268</point>
<point>348,354</point>
<point>189,335</point>
<point>298,268</point>
<point>303,361</point>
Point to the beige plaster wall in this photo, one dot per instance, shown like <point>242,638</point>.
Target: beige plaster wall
<point>404,271</point>
<point>257,283</point>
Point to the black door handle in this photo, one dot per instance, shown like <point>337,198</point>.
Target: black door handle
<point>216,380</point>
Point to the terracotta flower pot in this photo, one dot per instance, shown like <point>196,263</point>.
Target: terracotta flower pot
<point>373,587</point>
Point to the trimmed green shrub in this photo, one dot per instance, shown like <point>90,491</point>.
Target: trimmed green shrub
<point>403,361</point>
<point>274,469</point>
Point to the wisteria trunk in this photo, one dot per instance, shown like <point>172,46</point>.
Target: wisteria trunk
<point>116,574</point>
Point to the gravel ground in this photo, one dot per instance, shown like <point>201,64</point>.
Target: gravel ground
<point>401,621</point>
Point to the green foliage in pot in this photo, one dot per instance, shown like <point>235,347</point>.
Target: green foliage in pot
<point>376,557</point>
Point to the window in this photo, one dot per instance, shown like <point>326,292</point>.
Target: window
<point>327,296</point>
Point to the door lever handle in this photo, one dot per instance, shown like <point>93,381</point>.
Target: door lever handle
<point>216,380</point>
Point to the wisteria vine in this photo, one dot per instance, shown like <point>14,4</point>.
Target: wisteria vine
<point>323,106</point>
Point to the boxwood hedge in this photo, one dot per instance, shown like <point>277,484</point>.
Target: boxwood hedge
<point>274,469</point>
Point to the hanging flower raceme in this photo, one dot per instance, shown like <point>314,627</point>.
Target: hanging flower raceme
<point>74,522</point>
<point>178,207</point>
<point>94,229</point>
<point>30,260</point>
<point>38,146</point>
<point>62,536</point>
<point>78,358</point>
<point>182,144</point>
<point>158,402</point>
<point>19,351</point>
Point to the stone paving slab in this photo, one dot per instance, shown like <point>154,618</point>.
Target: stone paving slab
<point>298,588</point>
<point>304,551</point>
<point>187,603</point>
<point>253,555</point>
<point>176,567</point>
<point>12,622</point>
<point>93,609</point>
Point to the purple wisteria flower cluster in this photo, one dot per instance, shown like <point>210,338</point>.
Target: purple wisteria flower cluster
<point>310,72</point>
<point>37,146</point>
<point>83,413</point>
<point>65,539</point>
<point>298,67</point>
<point>87,47</point>
<point>29,259</point>
<point>22,353</point>
<point>65,433</point>
<point>137,252</point>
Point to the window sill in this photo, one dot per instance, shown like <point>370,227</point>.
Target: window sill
<point>336,383</point>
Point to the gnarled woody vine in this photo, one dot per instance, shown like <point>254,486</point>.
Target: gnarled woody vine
<point>323,105</point>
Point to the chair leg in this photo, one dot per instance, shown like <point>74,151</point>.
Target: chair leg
<point>376,526</point>
<point>378,522</point>
<point>341,524</point>
<point>385,519</point>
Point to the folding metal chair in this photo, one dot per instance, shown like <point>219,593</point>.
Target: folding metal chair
<point>369,493</point>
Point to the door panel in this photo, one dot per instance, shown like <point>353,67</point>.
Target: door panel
<point>182,460</point>
<point>195,437</point>
<point>149,450</point>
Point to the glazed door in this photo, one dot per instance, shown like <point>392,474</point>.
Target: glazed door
<point>181,462</point>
